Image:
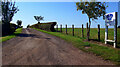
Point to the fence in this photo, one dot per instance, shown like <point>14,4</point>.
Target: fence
<point>97,34</point>
<point>72,32</point>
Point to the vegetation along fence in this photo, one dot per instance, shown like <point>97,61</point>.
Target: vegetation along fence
<point>97,34</point>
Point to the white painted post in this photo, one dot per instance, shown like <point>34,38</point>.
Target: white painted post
<point>106,34</point>
<point>113,22</point>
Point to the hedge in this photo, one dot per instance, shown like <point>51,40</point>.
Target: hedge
<point>45,26</point>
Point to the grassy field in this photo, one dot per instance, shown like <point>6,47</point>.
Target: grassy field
<point>4,38</point>
<point>94,33</point>
<point>107,53</point>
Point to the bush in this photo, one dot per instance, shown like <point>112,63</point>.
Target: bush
<point>5,29</point>
<point>118,26</point>
<point>13,27</point>
<point>8,29</point>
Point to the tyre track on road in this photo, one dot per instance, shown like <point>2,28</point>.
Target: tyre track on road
<point>37,48</point>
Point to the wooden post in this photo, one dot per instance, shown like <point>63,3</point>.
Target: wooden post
<point>98,32</point>
<point>115,31</point>
<point>66,29</point>
<point>82,31</point>
<point>57,27</point>
<point>73,30</point>
<point>61,28</point>
<point>87,29</point>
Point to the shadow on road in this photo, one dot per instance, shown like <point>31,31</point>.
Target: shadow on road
<point>33,36</point>
<point>26,35</point>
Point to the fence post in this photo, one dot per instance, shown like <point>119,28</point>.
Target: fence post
<point>73,30</point>
<point>61,28</point>
<point>87,26</point>
<point>66,29</point>
<point>87,29</point>
<point>115,32</point>
<point>82,31</point>
<point>57,27</point>
<point>98,32</point>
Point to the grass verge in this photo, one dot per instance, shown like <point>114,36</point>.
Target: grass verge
<point>107,53</point>
<point>5,38</point>
<point>94,34</point>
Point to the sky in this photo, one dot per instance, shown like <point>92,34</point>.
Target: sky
<point>60,12</point>
<point>65,0</point>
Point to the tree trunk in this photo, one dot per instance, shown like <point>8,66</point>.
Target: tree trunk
<point>6,29</point>
<point>88,32</point>
<point>38,22</point>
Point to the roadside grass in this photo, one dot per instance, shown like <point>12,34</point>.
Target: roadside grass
<point>107,53</point>
<point>5,38</point>
<point>94,34</point>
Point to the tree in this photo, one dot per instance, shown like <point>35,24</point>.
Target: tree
<point>38,18</point>
<point>19,23</point>
<point>0,10</point>
<point>118,26</point>
<point>28,26</point>
<point>8,11</point>
<point>93,11</point>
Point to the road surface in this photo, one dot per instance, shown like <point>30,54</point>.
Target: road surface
<point>37,48</point>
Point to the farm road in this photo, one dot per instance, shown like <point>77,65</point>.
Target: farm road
<point>37,48</point>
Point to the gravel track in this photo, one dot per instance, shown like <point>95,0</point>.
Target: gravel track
<point>33,47</point>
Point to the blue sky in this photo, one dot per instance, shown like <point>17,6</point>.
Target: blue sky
<point>61,12</point>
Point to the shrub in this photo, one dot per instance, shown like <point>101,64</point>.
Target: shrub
<point>118,26</point>
<point>13,27</point>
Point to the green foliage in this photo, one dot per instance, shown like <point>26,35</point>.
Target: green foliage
<point>118,26</point>
<point>45,26</point>
<point>19,23</point>
<point>13,27</point>
<point>0,9</point>
<point>92,9</point>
